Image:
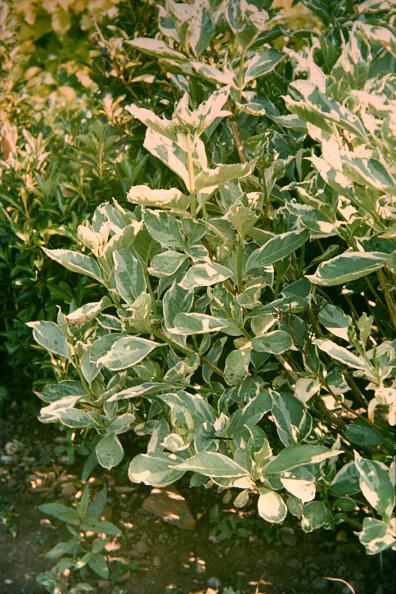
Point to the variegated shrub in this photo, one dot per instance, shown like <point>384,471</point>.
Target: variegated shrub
<point>246,323</point>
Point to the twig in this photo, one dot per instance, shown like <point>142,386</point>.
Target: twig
<point>387,295</point>
<point>237,137</point>
<point>187,351</point>
<point>342,582</point>
<point>287,367</point>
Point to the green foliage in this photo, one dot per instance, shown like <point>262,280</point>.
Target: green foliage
<point>244,297</point>
<point>85,551</point>
<point>63,148</point>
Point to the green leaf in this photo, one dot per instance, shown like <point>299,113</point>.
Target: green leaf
<point>174,443</point>
<point>50,413</point>
<point>375,34</point>
<point>176,300</point>
<point>213,74</point>
<point>299,455</point>
<point>335,321</point>
<point>155,469</point>
<point>376,485</point>
<point>376,536</point>
<point>75,418</point>
<point>246,21</point>
<point>236,366</point>
<point>223,173</point>
<point>98,564</point>
<point>109,451</point>
<point>295,506</point>
<point>261,64</point>
<point>129,275</point>
<point>164,228</point>
<point>234,16</point>
<point>271,506</point>
<point>157,48</point>
<point>314,106</point>
<point>392,262</point>
<point>142,389</point>
<point>195,405</point>
<point>53,392</point>
<point>88,312</point>
<point>257,406</point>
<point>293,424</point>
<point>204,275</point>
<point>121,423</point>
<point>201,29</point>
<point>61,512</point>
<point>300,483</point>
<point>62,549</point>
<point>346,481</point>
<point>50,336</point>
<point>146,196</point>
<point>76,262</point>
<point>214,465</point>
<point>102,346</point>
<point>275,342</point>
<point>186,324</point>
<point>369,172</point>
<point>362,435</point>
<point>305,388</point>
<point>277,248</point>
<point>101,526</point>
<point>341,354</point>
<point>127,351</point>
<point>162,126</point>
<point>316,515</point>
<point>347,267</point>
<point>211,109</point>
<point>333,178</point>
<point>171,153</point>
<point>166,264</point>
<point>96,506</point>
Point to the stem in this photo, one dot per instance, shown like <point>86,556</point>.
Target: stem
<point>388,296</point>
<point>241,74</point>
<point>334,420</point>
<point>374,292</point>
<point>191,175</point>
<point>265,202</point>
<point>236,135</point>
<point>278,280</point>
<point>353,523</point>
<point>355,314</point>
<point>187,351</point>
<point>227,282</point>
<point>355,390</point>
<point>237,140</point>
<point>287,367</point>
<point>239,272</point>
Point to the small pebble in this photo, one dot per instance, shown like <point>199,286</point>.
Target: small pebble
<point>170,589</point>
<point>200,566</point>
<point>157,561</point>
<point>341,536</point>
<point>214,582</point>
<point>140,549</point>
<point>12,447</point>
<point>68,489</point>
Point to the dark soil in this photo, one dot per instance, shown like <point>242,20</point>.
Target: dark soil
<point>227,548</point>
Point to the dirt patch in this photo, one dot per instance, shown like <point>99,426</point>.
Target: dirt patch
<point>226,547</point>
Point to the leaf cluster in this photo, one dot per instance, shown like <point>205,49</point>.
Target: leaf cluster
<point>243,325</point>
